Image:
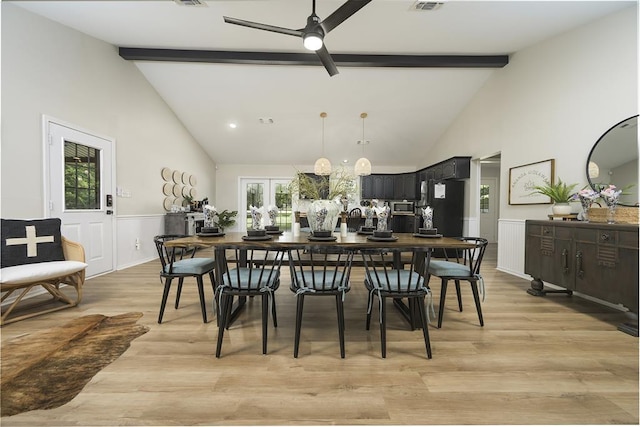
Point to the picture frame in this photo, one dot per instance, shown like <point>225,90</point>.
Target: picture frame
<point>523,178</point>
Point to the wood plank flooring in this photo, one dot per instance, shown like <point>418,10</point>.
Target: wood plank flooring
<point>537,360</point>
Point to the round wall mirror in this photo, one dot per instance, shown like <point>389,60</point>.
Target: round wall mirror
<point>614,160</point>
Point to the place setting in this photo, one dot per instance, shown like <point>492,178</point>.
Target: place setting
<point>210,232</point>
<point>382,236</point>
<point>257,231</point>
<point>322,236</point>
<point>427,233</point>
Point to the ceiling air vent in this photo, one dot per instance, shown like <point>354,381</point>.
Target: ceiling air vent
<point>201,3</point>
<point>426,5</point>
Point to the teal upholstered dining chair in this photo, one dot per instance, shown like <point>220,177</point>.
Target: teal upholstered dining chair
<point>176,265</point>
<point>384,281</point>
<point>320,271</point>
<point>464,266</point>
<point>246,271</point>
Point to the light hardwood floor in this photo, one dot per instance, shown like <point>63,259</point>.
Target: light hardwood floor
<point>549,360</point>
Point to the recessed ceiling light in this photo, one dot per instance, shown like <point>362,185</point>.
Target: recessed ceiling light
<point>233,125</point>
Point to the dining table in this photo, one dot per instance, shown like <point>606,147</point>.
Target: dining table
<point>286,240</point>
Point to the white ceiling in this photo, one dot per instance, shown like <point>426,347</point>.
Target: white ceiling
<point>408,108</point>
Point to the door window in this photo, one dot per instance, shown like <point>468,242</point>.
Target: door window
<point>81,177</point>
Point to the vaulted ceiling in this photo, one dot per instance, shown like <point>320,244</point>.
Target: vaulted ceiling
<point>277,107</point>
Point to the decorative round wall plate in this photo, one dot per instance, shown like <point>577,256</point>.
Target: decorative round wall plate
<point>185,191</point>
<point>177,177</point>
<point>168,202</point>
<point>177,190</point>
<point>167,189</point>
<point>193,192</point>
<point>185,178</point>
<point>166,174</point>
<point>192,180</point>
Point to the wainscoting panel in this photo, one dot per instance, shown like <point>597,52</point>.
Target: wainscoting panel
<point>511,233</point>
<point>135,239</point>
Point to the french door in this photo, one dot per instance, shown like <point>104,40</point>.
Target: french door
<point>78,190</point>
<point>265,192</point>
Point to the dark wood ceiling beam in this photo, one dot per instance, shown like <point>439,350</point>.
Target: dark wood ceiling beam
<point>341,59</point>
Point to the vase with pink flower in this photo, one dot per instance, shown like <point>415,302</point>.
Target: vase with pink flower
<point>611,195</point>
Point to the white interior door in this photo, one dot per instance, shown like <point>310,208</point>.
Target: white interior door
<point>79,184</point>
<point>489,209</point>
<point>264,192</point>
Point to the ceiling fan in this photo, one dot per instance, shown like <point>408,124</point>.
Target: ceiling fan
<point>315,30</point>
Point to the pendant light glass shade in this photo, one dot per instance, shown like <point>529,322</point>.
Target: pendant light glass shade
<point>363,165</point>
<point>322,165</point>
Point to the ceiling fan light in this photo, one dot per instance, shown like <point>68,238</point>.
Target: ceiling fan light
<point>362,167</point>
<point>312,41</point>
<point>322,166</point>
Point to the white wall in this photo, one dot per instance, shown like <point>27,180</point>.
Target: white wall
<point>53,70</point>
<point>50,69</point>
<point>553,101</point>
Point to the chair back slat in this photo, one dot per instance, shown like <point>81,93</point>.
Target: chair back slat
<point>395,279</point>
<point>250,268</point>
<point>320,268</point>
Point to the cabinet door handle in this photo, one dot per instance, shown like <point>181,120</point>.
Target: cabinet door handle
<point>546,231</point>
<point>579,264</point>
<point>565,261</point>
<point>605,237</point>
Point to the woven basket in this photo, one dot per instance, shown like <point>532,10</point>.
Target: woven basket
<point>624,214</point>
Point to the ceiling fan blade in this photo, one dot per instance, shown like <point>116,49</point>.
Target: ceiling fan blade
<point>327,61</point>
<point>264,27</point>
<point>342,13</point>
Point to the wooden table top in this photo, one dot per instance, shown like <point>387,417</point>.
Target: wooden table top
<point>354,240</point>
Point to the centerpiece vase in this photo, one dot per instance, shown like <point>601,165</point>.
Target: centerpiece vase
<point>586,203</point>
<point>611,212</point>
<point>323,215</point>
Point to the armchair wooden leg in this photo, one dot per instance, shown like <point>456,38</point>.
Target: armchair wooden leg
<point>180,281</point>
<point>457,282</point>
<point>476,298</point>
<point>369,309</point>
<point>383,328</point>
<point>299,307</point>
<point>443,296</point>
<point>225,312</point>
<point>165,295</point>
<point>203,306</point>
<point>425,329</point>
<point>265,321</point>
<point>340,310</point>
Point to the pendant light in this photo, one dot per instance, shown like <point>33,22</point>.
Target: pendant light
<point>363,165</point>
<point>323,165</point>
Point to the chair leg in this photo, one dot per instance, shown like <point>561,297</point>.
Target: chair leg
<point>180,280</point>
<point>476,298</point>
<point>203,306</point>
<point>457,282</point>
<point>443,296</point>
<point>225,311</point>
<point>273,310</point>
<point>216,308</point>
<point>165,295</point>
<point>425,328</point>
<point>340,310</point>
<point>369,309</point>
<point>265,320</point>
<point>299,307</point>
<point>383,328</point>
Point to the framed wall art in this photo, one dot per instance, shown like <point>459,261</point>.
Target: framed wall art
<point>523,178</point>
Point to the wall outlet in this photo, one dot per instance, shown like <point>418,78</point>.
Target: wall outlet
<point>137,244</point>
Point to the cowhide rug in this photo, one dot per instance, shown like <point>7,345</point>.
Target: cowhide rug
<point>47,369</point>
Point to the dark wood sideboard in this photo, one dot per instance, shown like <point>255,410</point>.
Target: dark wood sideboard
<point>595,259</point>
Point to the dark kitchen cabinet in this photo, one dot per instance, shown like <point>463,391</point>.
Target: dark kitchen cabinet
<point>403,223</point>
<point>453,168</point>
<point>377,186</point>
<point>599,260</point>
<point>404,186</point>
